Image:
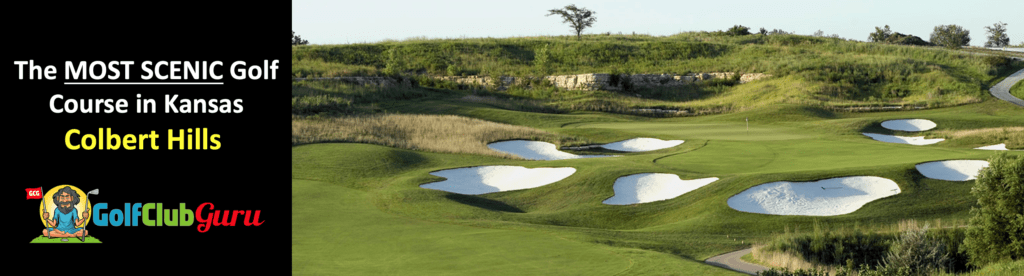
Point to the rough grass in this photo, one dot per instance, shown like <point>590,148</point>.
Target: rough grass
<point>434,133</point>
<point>1012,136</point>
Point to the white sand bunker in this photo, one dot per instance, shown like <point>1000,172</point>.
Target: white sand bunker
<point>917,141</point>
<point>993,147</point>
<point>491,179</point>
<point>909,124</point>
<point>650,187</point>
<point>828,197</point>
<point>534,150</point>
<point>952,170</point>
<point>642,144</point>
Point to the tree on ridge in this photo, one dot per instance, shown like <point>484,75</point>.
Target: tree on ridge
<point>578,18</point>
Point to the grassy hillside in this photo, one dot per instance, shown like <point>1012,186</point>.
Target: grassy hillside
<point>807,70</point>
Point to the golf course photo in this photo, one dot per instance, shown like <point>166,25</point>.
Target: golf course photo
<point>714,152</point>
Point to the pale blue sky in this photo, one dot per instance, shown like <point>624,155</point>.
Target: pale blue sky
<point>341,22</point>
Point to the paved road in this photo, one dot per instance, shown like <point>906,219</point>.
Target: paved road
<point>732,261</point>
<point>1002,89</point>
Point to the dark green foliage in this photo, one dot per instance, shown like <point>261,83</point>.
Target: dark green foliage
<point>738,30</point>
<point>880,34</point>
<point>996,229</point>
<point>997,35</point>
<point>906,39</point>
<point>296,40</point>
<point>950,36</point>
<point>884,271</point>
<point>763,31</point>
<point>578,18</point>
<point>953,239</point>
<point>885,35</point>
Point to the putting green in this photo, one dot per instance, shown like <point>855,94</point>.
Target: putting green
<point>44,239</point>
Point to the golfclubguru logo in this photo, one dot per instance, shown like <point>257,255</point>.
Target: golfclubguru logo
<point>65,212</point>
<point>154,214</point>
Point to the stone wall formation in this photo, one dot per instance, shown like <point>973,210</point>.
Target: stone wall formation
<point>586,82</point>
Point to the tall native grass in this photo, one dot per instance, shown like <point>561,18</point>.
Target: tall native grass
<point>435,133</point>
<point>1012,136</point>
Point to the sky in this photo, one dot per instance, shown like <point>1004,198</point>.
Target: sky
<point>345,22</point>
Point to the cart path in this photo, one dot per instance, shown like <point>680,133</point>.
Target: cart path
<point>732,261</point>
<point>1002,89</point>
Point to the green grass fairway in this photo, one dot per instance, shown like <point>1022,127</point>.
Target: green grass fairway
<point>43,239</point>
<point>337,230</point>
<point>358,209</point>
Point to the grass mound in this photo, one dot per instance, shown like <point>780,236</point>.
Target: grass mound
<point>435,133</point>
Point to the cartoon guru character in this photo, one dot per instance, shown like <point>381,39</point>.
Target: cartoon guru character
<point>65,215</point>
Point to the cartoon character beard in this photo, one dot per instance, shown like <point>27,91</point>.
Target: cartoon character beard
<point>62,209</point>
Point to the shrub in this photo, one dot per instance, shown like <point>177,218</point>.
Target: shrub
<point>906,39</point>
<point>997,35</point>
<point>393,65</point>
<point>996,230</point>
<point>915,250</point>
<point>880,34</point>
<point>542,60</point>
<point>738,30</point>
<point>950,36</point>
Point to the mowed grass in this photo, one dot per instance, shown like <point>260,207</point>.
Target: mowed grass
<point>392,226</point>
<point>336,230</point>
